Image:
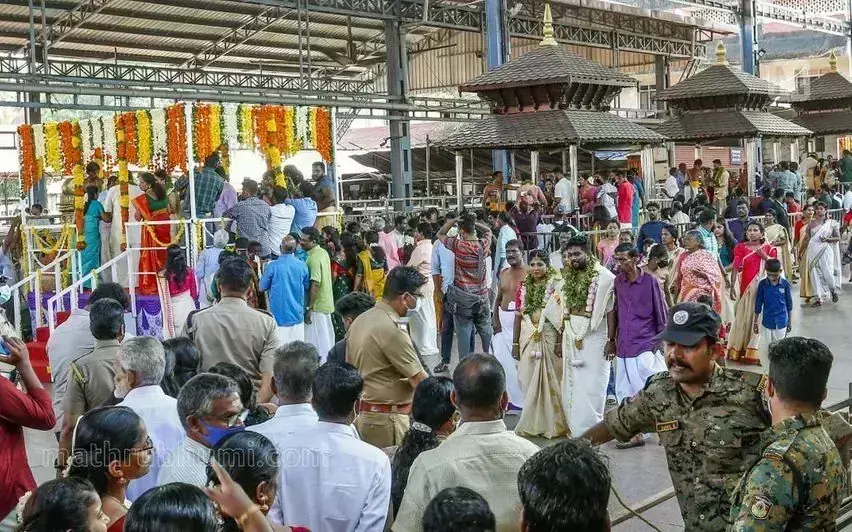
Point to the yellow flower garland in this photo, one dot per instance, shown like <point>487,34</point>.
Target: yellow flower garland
<point>215,126</point>
<point>52,149</point>
<point>290,131</point>
<point>312,126</point>
<point>44,248</point>
<point>173,241</point>
<point>144,138</point>
<point>246,129</point>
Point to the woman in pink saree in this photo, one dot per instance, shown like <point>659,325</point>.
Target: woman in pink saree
<point>748,268</point>
<point>698,272</point>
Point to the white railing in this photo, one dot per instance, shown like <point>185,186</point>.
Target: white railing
<point>130,255</point>
<point>34,279</point>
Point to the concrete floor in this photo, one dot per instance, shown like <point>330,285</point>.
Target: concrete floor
<point>638,473</point>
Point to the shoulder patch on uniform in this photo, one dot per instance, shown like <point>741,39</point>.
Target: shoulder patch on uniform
<point>761,507</point>
<point>778,448</point>
<point>78,375</point>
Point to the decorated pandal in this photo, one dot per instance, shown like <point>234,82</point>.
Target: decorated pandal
<point>147,140</point>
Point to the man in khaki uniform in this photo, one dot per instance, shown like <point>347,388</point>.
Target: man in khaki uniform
<point>378,344</point>
<point>91,380</point>
<point>232,331</point>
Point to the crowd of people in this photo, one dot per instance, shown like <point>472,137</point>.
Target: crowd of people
<point>298,395</point>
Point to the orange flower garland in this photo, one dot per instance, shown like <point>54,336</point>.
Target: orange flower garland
<point>324,143</point>
<point>131,146</point>
<point>260,116</point>
<point>29,165</point>
<point>201,132</point>
<point>66,135</point>
<point>123,175</point>
<point>176,138</point>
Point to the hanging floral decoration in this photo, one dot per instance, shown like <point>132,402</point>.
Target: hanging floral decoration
<point>98,158</point>
<point>215,128</point>
<point>324,144</point>
<point>301,125</point>
<point>131,141</point>
<point>46,248</point>
<point>312,126</point>
<point>287,138</point>
<point>176,138</point>
<point>201,148</point>
<point>158,132</point>
<point>123,175</point>
<point>229,123</point>
<point>38,140</point>
<point>108,132</point>
<point>27,155</point>
<point>86,139</point>
<point>245,126</point>
<point>260,116</point>
<point>144,142</point>
<point>177,238</point>
<point>75,156</point>
<point>52,150</point>
<point>66,134</point>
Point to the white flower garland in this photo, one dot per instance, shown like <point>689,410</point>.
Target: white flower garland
<point>38,140</point>
<point>85,137</point>
<point>229,118</point>
<point>108,128</point>
<point>97,133</point>
<point>158,131</point>
<point>301,119</point>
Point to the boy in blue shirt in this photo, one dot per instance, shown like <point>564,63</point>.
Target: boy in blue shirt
<point>775,303</point>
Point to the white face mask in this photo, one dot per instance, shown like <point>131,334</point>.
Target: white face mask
<point>5,294</point>
<point>418,303</point>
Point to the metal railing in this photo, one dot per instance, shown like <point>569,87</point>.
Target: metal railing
<point>34,280</point>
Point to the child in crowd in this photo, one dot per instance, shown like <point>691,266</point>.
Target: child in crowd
<point>775,303</point>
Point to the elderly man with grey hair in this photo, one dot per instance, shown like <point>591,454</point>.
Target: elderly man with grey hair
<point>209,409</point>
<point>139,369</point>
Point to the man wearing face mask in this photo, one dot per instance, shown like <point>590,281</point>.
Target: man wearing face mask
<point>800,480</point>
<point>209,408</point>
<point>379,346</point>
<point>710,419</point>
<point>91,377</point>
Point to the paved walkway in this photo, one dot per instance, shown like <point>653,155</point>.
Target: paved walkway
<point>638,473</point>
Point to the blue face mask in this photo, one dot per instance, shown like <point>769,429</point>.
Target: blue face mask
<point>215,434</point>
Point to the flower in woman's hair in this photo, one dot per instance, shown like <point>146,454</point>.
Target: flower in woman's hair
<point>22,503</point>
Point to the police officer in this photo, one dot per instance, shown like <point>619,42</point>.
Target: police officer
<point>378,344</point>
<point>708,418</point>
<point>799,481</point>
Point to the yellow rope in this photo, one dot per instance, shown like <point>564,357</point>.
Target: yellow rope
<point>172,242</point>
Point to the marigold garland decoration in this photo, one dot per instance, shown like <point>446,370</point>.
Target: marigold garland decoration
<point>201,147</point>
<point>131,141</point>
<point>66,139</point>
<point>260,116</point>
<point>324,144</point>
<point>26,152</point>
<point>245,126</point>
<point>144,138</point>
<point>76,158</point>
<point>289,124</point>
<point>176,138</point>
<point>215,128</point>
<point>312,126</point>
<point>123,176</point>
<point>52,150</point>
<point>172,242</point>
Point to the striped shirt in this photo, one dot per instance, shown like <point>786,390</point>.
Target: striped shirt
<point>470,267</point>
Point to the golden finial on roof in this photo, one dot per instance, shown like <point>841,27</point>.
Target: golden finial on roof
<point>832,61</point>
<point>548,39</point>
<point>721,54</point>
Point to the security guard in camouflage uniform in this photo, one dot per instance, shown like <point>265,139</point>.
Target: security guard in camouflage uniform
<point>799,482</point>
<point>708,418</point>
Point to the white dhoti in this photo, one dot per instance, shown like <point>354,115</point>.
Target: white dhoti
<point>122,274</point>
<point>176,313</point>
<point>292,333</point>
<point>320,334</point>
<point>501,348</point>
<point>631,374</point>
<point>585,375</point>
<point>422,323</point>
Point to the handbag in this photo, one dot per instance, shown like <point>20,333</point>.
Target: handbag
<point>462,304</point>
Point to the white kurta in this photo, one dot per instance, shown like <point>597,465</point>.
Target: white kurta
<point>422,322</point>
<point>501,348</point>
<point>112,204</point>
<point>585,375</point>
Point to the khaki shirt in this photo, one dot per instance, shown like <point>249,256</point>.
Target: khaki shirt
<point>380,347</point>
<point>798,484</point>
<point>92,378</point>
<point>231,331</point>
<point>710,440</point>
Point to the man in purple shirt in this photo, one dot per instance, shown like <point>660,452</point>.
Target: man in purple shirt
<point>641,314</point>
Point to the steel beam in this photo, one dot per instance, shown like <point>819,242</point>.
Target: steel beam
<point>70,21</point>
<point>400,140</point>
<point>496,45</point>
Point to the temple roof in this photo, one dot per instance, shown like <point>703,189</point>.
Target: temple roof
<point>831,123</point>
<point>725,123</point>
<point>547,65</point>
<point>828,88</point>
<point>554,128</point>
<point>720,79</point>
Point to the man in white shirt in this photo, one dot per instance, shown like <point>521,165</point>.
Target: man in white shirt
<point>481,454</point>
<point>112,213</point>
<point>671,188</point>
<point>71,340</point>
<point>331,480</point>
<point>564,193</point>
<point>209,409</point>
<point>606,196</point>
<point>138,372</point>
<point>296,364</point>
<point>280,219</point>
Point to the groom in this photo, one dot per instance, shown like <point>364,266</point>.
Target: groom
<point>503,321</point>
<point>587,298</point>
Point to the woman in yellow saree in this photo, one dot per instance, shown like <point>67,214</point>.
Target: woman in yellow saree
<point>152,206</point>
<point>371,267</point>
<point>777,235</point>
